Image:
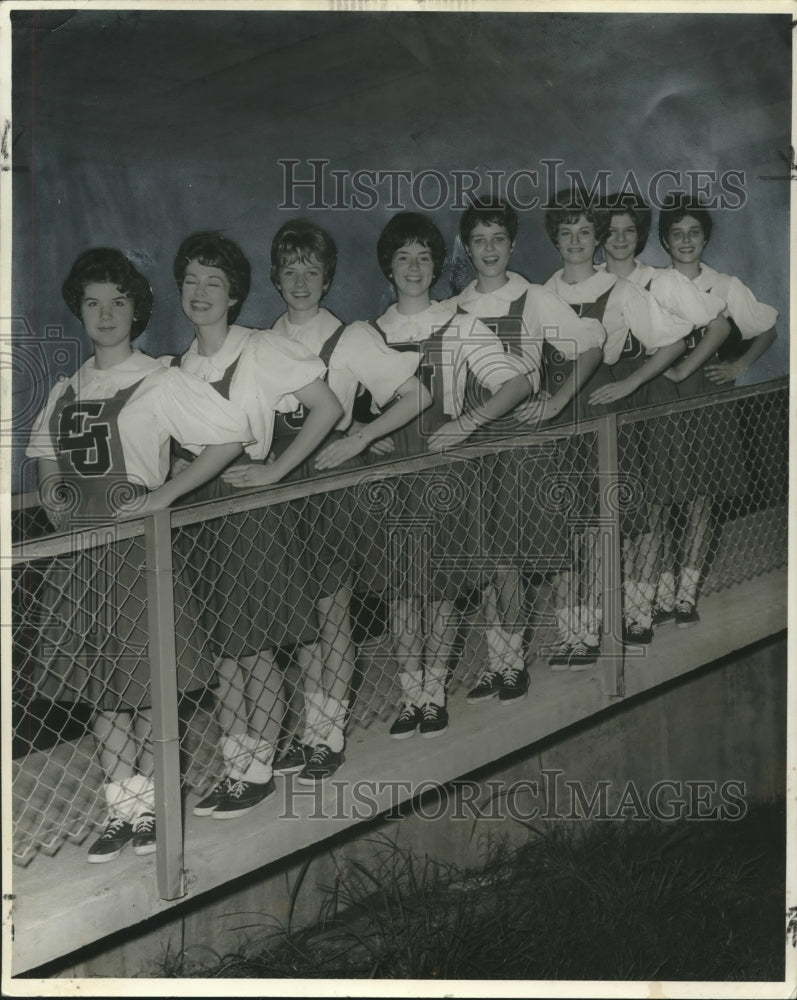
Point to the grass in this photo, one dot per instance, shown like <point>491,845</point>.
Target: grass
<point>635,900</point>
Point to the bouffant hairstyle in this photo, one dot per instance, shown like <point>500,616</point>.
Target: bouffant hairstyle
<point>105,264</point>
<point>637,210</point>
<point>212,249</point>
<point>567,208</point>
<point>302,240</point>
<point>406,228</point>
<point>678,206</point>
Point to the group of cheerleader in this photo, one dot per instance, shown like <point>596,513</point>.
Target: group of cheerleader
<point>243,409</point>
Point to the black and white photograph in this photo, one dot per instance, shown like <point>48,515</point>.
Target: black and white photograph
<point>395,425</point>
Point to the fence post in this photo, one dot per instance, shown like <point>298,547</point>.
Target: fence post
<point>165,723</point>
<point>610,549</point>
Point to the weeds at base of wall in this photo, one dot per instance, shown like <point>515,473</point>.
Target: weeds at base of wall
<point>628,901</point>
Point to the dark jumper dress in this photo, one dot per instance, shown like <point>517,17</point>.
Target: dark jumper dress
<point>332,526</point>
<point>522,524</point>
<point>439,510</point>
<point>700,452</point>
<point>250,571</point>
<point>94,643</point>
<point>577,486</point>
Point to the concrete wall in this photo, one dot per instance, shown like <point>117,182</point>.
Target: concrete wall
<point>723,723</point>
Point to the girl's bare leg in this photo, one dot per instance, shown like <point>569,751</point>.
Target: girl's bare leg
<point>339,654</point>
<point>263,695</point>
<point>231,710</point>
<point>510,597</point>
<point>407,627</point>
<point>565,603</point>
<point>306,696</point>
<point>592,563</point>
<point>143,734</point>
<point>664,560</point>
<point>442,632</point>
<point>693,551</point>
<point>337,643</point>
<point>116,742</point>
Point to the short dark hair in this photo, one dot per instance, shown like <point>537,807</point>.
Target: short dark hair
<point>105,264</point>
<point>679,205</point>
<point>634,207</point>
<point>497,213</point>
<point>410,227</point>
<point>567,209</point>
<point>213,249</point>
<point>300,239</point>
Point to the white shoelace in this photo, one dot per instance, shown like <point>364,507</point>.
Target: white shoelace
<point>320,753</point>
<point>221,787</point>
<point>113,827</point>
<point>144,824</point>
<point>510,673</point>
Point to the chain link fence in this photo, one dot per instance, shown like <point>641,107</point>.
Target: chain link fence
<point>712,493</point>
<point>320,580</point>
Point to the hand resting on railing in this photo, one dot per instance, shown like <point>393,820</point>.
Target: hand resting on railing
<point>353,443</point>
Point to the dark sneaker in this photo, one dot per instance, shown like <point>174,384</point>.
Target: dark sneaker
<point>635,634</point>
<point>583,656</point>
<point>407,721</point>
<point>561,657</point>
<point>214,798</point>
<point>323,763</point>
<point>514,685</point>
<point>434,721</point>
<point>661,616</point>
<point>242,798</point>
<point>488,686</point>
<point>144,834</point>
<point>686,614</point>
<point>295,758</point>
<point>111,842</point>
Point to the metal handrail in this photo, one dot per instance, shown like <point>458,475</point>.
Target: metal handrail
<point>157,530</point>
<point>388,469</point>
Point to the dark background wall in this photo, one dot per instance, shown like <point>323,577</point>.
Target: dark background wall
<point>134,128</point>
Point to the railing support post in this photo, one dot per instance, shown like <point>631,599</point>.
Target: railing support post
<point>610,550</point>
<point>165,723</point>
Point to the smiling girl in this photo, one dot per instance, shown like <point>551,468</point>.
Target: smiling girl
<point>457,354</point>
<point>252,571</point>
<point>709,460</point>
<point>524,316</point>
<point>102,447</point>
<point>641,341</point>
<point>303,261</point>
<point>629,225</point>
